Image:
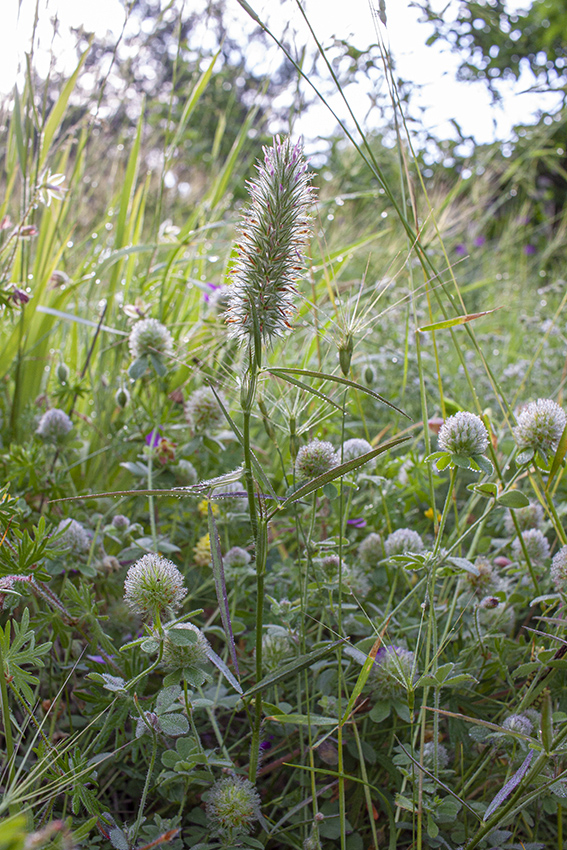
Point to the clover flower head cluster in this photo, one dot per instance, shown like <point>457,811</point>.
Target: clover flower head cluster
<point>277,648</point>
<point>54,426</point>
<point>401,541</point>
<point>355,448</point>
<point>463,434</point>
<point>536,545</point>
<point>188,654</point>
<point>153,584</point>
<point>518,723</point>
<point>202,411</point>
<point>370,550</point>
<point>558,570</point>
<point>185,472</point>
<point>393,669</point>
<point>314,459</point>
<point>150,337</point>
<point>232,807</point>
<point>274,234</point>
<point>237,557</point>
<point>75,539</point>
<point>355,580</point>
<point>540,425</point>
<point>427,756</point>
<point>120,522</point>
<point>529,517</point>
<point>485,578</point>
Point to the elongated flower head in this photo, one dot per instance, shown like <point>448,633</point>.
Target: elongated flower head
<point>540,425</point>
<point>202,411</point>
<point>314,459</point>
<point>393,670</point>
<point>274,234</point>
<point>536,545</point>
<point>529,517</point>
<point>54,426</point>
<point>558,570</point>
<point>177,655</point>
<point>150,337</point>
<point>153,585</point>
<point>403,540</point>
<point>233,806</point>
<point>463,434</point>
<point>370,550</point>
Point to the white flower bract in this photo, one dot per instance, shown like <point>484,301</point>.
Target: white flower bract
<point>403,540</point>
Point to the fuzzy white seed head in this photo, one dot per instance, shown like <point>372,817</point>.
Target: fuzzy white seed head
<point>274,234</point>
<point>150,337</point>
<point>518,723</point>
<point>54,426</point>
<point>75,539</point>
<point>232,807</point>
<point>370,550</point>
<point>536,545</point>
<point>202,411</point>
<point>463,434</point>
<point>355,448</point>
<point>540,425</point>
<point>393,670</point>
<point>153,585</point>
<point>558,570</point>
<point>314,459</point>
<point>403,540</point>
<point>427,756</point>
<point>529,517</point>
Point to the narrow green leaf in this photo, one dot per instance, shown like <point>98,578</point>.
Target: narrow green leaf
<point>191,103</point>
<point>457,320</point>
<point>295,666</point>
<point>558,458</point>
<point>342,469</point>
<point>297,383</point>
<point>18,132</point>
<point>57,113</point>
<point>220,585</point>
<point>304,719</point>
<point>323,376</point>
<point>70,317</point>
<point>362,677</point>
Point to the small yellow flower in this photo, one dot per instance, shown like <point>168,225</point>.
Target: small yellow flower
<point>202,552</point>
<point>429,514</point>
<point>203,508</point>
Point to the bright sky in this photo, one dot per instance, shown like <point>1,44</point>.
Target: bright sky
<point>440,97</point>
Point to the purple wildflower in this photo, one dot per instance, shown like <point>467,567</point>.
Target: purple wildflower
<point>461,249</point>
<point>153,438</point>
<point>357,521</point>
<point>529,250</point>
<point>479,241</point>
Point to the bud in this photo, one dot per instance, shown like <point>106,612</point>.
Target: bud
<point>122,397</point>
<point>150,337</point>
<point>345,354</point>
<point>63,373</point>
<point>54,426</point>
<point>369,376</point>
<point>202,411</point>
